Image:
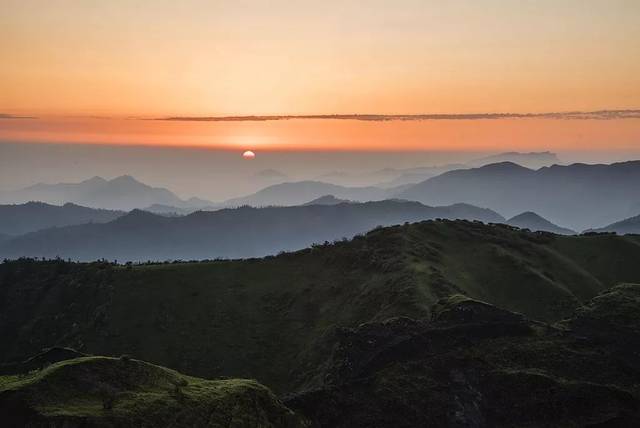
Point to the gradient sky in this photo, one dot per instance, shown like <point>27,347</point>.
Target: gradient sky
<point>65,61</point>
<point>294,57</point>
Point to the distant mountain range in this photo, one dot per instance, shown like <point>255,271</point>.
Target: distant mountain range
<point>392,177</point>
<point>32,216</point>
<point>630,225</point>
<point>327,200</point>
<point>578,195</point>
<point>532,160</point>
<point>534,222</point>
<point>228,233</point>
<point>301,192</point>
<point>121,193</point>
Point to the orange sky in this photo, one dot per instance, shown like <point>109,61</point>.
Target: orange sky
<point>491,134</point>
<point>154,58</point>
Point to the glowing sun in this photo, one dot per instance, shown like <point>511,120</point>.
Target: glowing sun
<point>248,154</point>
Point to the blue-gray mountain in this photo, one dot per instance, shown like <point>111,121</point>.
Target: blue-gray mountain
<point>23,218</point>
<point>534,222</point>
<point>327,200</point>
<point>579,196</point>
<point>228,233</point>
<point>630,225</point>
<point>121,193</point>
<point>301,192</point>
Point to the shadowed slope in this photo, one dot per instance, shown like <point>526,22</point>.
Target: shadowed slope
<point>263,318</point>
<point>475,365</point>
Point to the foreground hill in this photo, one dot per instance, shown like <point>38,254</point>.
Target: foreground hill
<point>475,365</point>
<point>270,318</point>
<point>229,233</point>
<point>99,391</point>
<point>629,225</point>
<point>533,221</point>
<point>579,196</point>
<point>469,364</point>
<point>32,216</point>
<point>121,193</point>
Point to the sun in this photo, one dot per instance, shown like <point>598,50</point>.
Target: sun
<point>248,154</point>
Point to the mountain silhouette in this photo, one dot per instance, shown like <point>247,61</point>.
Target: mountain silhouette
<point>393,177</point>
<point>579,196</point>
<point>228,233</point>
<point>301,192</point>
<point>32,216</point>
<point>630,225</point>
<point>327,200</point>
<point>534,222</point>
<point>533,160</point>
<point>121,193</point>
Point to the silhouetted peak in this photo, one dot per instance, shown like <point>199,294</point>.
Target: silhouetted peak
<point>526,215</point>
<point>327,200</point>
<point>124,179</point>
<point>533,221</point>
<point>138,216</point>
<point>95,180</point>
<point>503,167</point>
<point>33,204</point>
<point>139,213</point>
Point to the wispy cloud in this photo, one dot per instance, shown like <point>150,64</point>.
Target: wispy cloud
<point>573,115</point>
<point>11,116</point>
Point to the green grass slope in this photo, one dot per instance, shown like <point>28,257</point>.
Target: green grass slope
<point>270,318</point>
<point>100,391</point>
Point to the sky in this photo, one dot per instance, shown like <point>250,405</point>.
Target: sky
<point>281,57</point>
<point>68,61</point>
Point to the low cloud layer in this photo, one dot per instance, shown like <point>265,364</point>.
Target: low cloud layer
<point>580,115</point>
<point>11,116</point>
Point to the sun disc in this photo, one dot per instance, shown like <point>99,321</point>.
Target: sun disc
<point>248,154</point>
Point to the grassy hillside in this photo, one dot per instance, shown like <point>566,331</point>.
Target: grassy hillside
<point>269,318</point>
<point>475,365</point>
<point>471,364</point>
<point>100,391</point>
